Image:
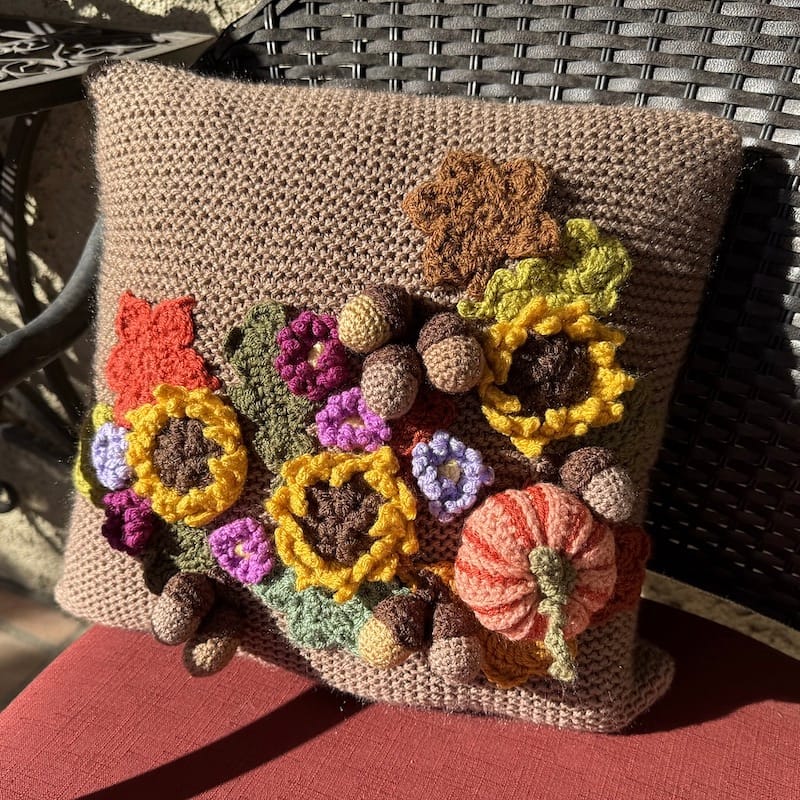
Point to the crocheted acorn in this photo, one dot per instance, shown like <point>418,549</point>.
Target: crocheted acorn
<point>395,631</point>
<point>594,475</point>
<point>215,643</point>
<point>374,317</point>
<point>455,652</point>
<point>180,608</point>
<point>452,356</point>
<point>390,380</point>
<point>535,564</point>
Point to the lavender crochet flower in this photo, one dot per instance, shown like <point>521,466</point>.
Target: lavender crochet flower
<point>449,474</point>
<point>243,550</point>
<point>129,521</point>
<point>348,423</point>
<point>312,360</point>
<point>108,457</point>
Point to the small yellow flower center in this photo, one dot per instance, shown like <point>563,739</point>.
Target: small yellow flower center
<point>240,551</point>
<point>356,422</point>
<point>450,469</point>
<point>315,352</point>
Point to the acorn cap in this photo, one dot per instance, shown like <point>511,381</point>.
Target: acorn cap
<point>390,380</point>
<point>582,465</point>
<point>439,327</point>
<point>395,304</point>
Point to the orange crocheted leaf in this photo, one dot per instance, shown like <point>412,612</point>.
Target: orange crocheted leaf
<point>153,347</point>
<point>632,546</point>
<point>477,212</point>
<point>432,411</point>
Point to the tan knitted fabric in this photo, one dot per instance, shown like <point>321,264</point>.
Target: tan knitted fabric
<point>237,194</point>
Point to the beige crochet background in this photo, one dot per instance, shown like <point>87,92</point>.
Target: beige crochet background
<point>62,207</point>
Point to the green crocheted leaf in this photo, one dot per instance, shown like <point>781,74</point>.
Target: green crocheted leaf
<point>280,417</point>
<point>313,618</point>
<point>590,267</point>
<point>173,549</point>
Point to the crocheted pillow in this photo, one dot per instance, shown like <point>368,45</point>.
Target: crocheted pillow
<point>379,380</point>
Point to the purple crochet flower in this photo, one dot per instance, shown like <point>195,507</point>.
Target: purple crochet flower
<point>312,361</point>
<point>449,474</point>
<point>129,521</point>
<point>108,457</point>
<point>348,423</point>
<point>243,550</point>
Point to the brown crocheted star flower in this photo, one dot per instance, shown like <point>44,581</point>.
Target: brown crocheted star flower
<point>478,212</point>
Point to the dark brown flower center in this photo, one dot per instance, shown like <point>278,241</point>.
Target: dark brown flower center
<point>181,455</point>
<point>549,372</point>
<point>339,519</point>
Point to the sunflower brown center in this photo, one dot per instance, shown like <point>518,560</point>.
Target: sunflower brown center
<point>339,519</point>
<point>549,372</point>
<point>181,454</point>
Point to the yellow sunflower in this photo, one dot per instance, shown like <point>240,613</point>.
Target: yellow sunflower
<point>551,373</point>
<point>342,519</point>
<point>187,454</point>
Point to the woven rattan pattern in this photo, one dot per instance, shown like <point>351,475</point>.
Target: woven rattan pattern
<point>724,504</point>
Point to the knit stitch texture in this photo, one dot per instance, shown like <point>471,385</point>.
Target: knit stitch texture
<point>212,195</point>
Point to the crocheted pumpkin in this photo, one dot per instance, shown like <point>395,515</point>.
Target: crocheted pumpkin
<point>519,548</point>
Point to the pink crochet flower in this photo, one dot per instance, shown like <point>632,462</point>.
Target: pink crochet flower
<point>129,521</point>
<point>348,423</point>
<point>312,360</point>
<point>243,550</point>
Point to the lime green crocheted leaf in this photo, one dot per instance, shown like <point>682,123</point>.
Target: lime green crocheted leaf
<point>173,549</point>
<point>280,417</point>
<point>313,618</point>
<point>590,267</point>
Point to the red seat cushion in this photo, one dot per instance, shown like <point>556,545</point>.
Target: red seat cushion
<point>117,717</point>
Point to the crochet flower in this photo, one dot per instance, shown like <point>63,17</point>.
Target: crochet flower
<point>449,474</point>
<point>84,475</point>
<point>348,423</point>
<point>109,447</point>
<point>343,519</point>
<point>312,360</point>
<point>129,521</point>
<point>243,550</point>
<point>153,347</point>
<point>477,212</point>
<point>588,267</point>
<point>551,373</point>
<point>187,453</point>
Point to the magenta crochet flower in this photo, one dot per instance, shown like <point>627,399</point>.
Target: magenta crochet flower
<point>129,521</point>
<point>348,423</point>
<point>312,360</point>
<point>449,474</point>
<point>243,550</point>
